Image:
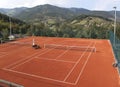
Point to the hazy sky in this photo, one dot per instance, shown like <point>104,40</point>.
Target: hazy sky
<point>88,4</point>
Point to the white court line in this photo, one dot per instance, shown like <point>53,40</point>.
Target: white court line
<point>7,53</point>
<point>40,76</point>
<point>77,63</point>
<point>24,58</point>
<point>62,54</point>
<point>32,58</point>
<point>56,60</point>
<point>83,68</point>
<point>36,76</point>
<point>10,46</point>
<point>49,78</point>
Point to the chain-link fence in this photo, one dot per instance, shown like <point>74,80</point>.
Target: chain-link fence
<point>115,41</point>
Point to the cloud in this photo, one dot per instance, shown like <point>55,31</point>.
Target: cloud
<point>103,4</point>
<point>32,3</point>
<point>39,2</point>
<point>13,3</point>
<point>3,3</point>
<point>94,4</point>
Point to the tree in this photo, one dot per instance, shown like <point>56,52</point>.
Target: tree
<point>5,34</point>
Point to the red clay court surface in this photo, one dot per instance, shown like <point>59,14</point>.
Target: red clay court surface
<point>49,67</point>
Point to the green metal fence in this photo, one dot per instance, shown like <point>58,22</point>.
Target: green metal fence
<point>116,47</point>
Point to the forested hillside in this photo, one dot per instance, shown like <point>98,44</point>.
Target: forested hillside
<point>17,26</point>
<point>48,20</point>
<point>83,26</point>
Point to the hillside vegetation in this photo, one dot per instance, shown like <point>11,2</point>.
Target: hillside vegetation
<point>83,26</point>
<point>18,27</point>
<point>48,20</point>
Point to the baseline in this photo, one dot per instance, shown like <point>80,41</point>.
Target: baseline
<point>12,52</point>
<point>40,77</point>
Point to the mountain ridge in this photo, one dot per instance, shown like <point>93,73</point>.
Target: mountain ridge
<point>51,11</point>
<point>49,20</point>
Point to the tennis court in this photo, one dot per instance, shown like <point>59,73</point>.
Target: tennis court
<point>61,62</point>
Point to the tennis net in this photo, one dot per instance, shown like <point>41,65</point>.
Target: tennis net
<point>67,47</point>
